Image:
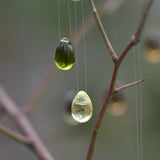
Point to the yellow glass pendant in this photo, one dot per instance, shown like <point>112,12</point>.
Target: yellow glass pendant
<point>82,107</point>
<point>64,56</point>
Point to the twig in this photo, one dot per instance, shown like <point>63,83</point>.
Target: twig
<point>129,85</point>
<point>105,7</point>
<point>24,125</point>
<point>103,33</point>
<point>134,40</point>
<point>13,135</point>
<point>136,37</point>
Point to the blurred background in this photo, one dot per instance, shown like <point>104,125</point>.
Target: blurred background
<point>29,35</point>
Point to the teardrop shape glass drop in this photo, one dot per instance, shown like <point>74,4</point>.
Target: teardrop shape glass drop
<point>64,56</point>
<point>82,108</point>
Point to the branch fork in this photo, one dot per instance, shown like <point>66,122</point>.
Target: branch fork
<point>117,62</point>
<point>29,137</point>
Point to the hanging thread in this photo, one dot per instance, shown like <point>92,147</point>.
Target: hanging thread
<point>84,46</point>
<point>59,18</point>
<point>137,109</point>
<point>69,19</point>
<point>141,104</point>
<point>75,10</point>
<point>64,55</point>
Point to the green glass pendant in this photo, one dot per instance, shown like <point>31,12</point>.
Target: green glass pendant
<point>82,107</point>
<point>64,56</point>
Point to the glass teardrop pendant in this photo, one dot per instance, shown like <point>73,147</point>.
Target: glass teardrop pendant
<point>64,56</point>
<point>82,107</point>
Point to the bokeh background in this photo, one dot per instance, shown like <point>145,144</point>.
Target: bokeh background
<point>29,35</point>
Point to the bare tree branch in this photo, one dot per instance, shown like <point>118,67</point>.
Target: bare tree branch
<point>129,85</point>
<point>103,33</point>
<point>24,125</point>
<point>135,38</point>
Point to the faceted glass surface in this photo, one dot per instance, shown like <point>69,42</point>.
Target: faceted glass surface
<point>82,107</point>
<point>64,56</point>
